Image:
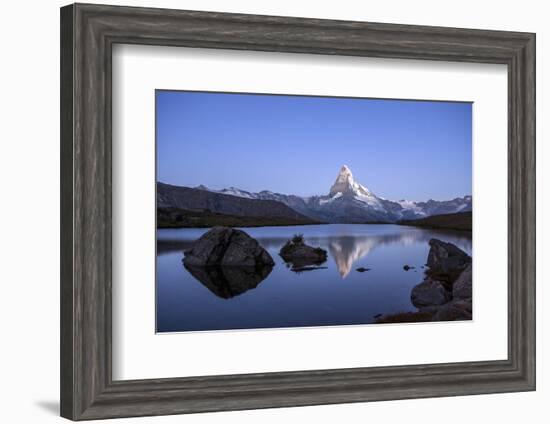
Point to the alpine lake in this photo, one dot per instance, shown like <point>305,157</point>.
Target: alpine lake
<point>332,293</point>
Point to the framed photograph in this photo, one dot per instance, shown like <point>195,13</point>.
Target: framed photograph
<point>269,211</point>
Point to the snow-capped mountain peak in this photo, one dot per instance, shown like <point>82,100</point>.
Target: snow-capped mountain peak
<point>347,188</point>
<point>345,184</point>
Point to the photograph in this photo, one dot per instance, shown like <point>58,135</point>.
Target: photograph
<point>263,212</point>
<point>281,211</point>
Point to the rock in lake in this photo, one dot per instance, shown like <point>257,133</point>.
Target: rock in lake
<point>362,269</point>
<point>223,246</point>
<point>300,254</point>
<point>429,293</point>
<point>447,259</point>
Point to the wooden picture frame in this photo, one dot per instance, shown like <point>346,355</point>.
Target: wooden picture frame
<point>88,33</point>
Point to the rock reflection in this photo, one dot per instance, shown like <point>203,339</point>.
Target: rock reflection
<point>227,282</point>
<point>299,265</point>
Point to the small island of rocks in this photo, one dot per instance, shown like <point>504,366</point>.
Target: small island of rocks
<point>297,253</point>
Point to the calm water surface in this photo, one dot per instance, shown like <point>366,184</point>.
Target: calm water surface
<point>280,297</point>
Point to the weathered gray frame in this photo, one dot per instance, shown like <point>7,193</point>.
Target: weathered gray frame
<point>88,33</point>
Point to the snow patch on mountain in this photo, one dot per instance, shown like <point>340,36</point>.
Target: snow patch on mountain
<point>323,201</point>
<point>370,200</point>
<point>412,206</point>
<point>233,191</point>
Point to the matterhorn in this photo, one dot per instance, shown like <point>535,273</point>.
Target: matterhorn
<point>345,184</point>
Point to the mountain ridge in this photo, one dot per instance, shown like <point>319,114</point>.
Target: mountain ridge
<point>348,201</point>
<point>177,204</point>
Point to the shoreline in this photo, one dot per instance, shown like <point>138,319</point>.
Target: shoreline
<point>461,231</point>
<point>460,221</point>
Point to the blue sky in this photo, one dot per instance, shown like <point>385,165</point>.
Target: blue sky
<point>416,150</point>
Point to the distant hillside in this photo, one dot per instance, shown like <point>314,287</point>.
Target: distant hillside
<point>461,221</point>
<point>190,207</point>
<point>183,218</point>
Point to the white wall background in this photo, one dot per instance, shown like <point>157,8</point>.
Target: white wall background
<point>29,213</point>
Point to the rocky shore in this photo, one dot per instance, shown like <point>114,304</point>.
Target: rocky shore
<point>446,292</point>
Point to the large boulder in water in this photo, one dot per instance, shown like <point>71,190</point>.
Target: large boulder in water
<point>223,246</point>
<point>446,261</point>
